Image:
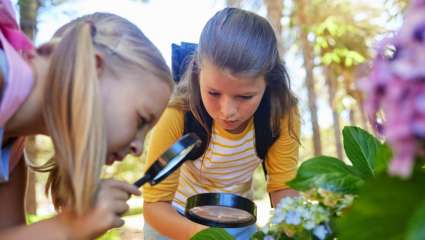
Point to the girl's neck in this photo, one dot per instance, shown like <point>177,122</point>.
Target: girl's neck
<point>28,120</point>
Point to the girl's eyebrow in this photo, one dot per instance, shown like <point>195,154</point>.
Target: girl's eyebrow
<point>248,93</point>
<point>244,93</point>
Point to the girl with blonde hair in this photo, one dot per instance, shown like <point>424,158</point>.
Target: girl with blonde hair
<point>235,95</point>
<point>95,89</point>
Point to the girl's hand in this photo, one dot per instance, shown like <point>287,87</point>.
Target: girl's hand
<point>110,205</point>
<point>196,228</point>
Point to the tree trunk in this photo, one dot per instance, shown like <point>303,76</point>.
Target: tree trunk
<point>307,52</point>
<point>332,89</point>
<point>348,82</point>
<point>28,10</point>
<point>275,14</point>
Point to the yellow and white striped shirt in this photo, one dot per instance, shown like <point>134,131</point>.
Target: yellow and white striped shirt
<point>227,166</point>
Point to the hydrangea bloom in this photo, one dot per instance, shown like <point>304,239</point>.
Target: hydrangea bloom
<point>397,86</point>
<point>299,214</point>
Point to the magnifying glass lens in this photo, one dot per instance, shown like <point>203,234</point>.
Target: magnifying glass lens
<point>221,214</point>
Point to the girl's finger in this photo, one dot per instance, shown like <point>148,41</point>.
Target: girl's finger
<point>124,186</point>
<point>118,194</point>
<point>119,207</point>
<point>118,222</point>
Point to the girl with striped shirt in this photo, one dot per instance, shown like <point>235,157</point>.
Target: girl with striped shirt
<point>235,73</point>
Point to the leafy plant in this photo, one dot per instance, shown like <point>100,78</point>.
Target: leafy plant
<point>368,157</point>
<point>328,186</point>
<point>212,234</point>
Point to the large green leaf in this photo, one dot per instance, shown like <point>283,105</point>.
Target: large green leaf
<point>383,156</point>
<point>416,229</point>
<point>361,148</point>
<point>212,234</point>
<point>326,172</point>
<point>383,209</point>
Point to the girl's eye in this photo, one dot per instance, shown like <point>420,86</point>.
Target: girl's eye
<point>245,97</point>
<point>214,94</point>
<point>141,123</point>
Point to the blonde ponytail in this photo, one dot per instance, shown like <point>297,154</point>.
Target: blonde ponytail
<point>72,109</point>
<point>74,120</point>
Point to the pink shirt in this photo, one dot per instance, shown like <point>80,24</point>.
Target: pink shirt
<point>17,83</point>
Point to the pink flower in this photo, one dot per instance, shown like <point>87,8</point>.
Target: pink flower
<point>396,85</point>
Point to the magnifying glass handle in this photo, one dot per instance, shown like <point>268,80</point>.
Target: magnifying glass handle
<point>142,181</point>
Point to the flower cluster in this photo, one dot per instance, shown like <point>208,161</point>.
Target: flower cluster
<point>338,203</point>
<point>396,86</point>
<point>296,216</point>
<point>307,216</point>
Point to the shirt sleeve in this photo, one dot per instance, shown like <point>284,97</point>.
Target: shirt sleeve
<point>282,157</point>
<point>164,134</point>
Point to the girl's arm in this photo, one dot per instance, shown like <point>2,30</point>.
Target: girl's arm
<point>51,229</point>
<point>12,212</point>
<point>12,195</point>
<point>106,214</point>
<point>168,222</point>
<point>282,159</point>
<point>279,194</point>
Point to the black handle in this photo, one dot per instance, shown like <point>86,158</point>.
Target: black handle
<point>142,181</point>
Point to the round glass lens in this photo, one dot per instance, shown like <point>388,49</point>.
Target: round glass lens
<point>221,214</point>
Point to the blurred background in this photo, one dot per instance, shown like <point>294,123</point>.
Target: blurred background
<point>327,46</point>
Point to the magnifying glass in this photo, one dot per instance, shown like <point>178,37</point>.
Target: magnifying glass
<point>212,209</point>
<point>170,160</point>
<point>224,210</point>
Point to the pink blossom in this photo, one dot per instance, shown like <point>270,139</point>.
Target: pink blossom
<point>396,85</point>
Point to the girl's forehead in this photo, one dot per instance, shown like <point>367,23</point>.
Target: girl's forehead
<point>221,79</point>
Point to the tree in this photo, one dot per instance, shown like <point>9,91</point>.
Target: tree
<point>341,41</point>
<point>275,14</point>
<point>308,55</point>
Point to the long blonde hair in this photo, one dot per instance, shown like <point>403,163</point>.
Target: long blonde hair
<point>72,105</point>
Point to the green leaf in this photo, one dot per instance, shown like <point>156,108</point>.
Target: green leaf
<point>383,157</point>
<point>383,209</point>
<point>259,235</point>
<point>361,148</point>
<point>416,226</point>
<point>326,172</point>
<point>212,234</point>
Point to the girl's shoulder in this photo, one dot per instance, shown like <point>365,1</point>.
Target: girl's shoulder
<point>171,118</point>
<point>291,116</point>
<point>173,112</point>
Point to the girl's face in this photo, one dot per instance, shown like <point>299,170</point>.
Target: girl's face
<point>132,105</point>
<point>230,100</point>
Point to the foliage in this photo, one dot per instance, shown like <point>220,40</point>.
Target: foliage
<point>328,187</point>
<point>212,234</point>
<point>387,208</point>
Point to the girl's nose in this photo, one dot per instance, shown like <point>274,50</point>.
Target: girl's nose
<point>136,147</point>
<point>228,109</point>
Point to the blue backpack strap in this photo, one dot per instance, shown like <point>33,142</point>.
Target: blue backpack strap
<point>181,55</point>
